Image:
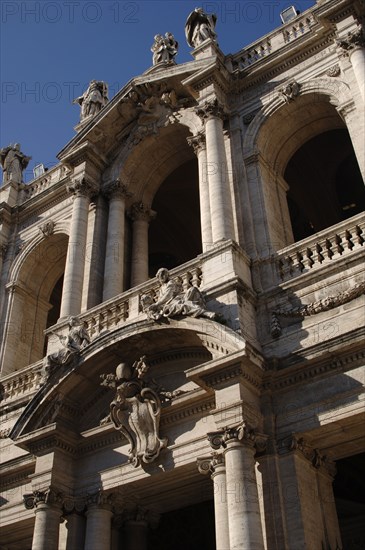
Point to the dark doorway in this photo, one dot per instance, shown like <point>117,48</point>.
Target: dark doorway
<point>190,528</point>
<point>175,235</point>
<point>349,492</point>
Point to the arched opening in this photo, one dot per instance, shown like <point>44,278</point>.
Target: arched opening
<point>175,235</point>
<point>308,168</point>
<point>35,303</point>
<point>325,184</point>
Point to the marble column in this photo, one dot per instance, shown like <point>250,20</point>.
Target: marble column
<point>75,528</point>
<point>216,165</point>
<point>353,46</point>
<point>117,193</point>
<point>199,145</point>
<point>98,525</point>
<point>141,216</point>
<point>82,189</point>
<point>244,518</point>
<point>136,531</point>
<point>48,511</point>
<point>215,466</point>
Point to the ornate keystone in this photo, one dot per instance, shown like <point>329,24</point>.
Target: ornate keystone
<point>47,228</point>
<point>289,92</point>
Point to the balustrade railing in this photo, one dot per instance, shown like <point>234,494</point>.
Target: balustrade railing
<point>321,249</point>
<point>43,182</point>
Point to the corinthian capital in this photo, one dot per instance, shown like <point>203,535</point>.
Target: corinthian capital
<point>50,496</point>
<point>242,433</point>
<point>208,464</point>
<point>197,142</point>
<point>116,189</point>
<point>210,109</point>
<point>82,187</point>
<point>353,40</point>
<point>140,211</point>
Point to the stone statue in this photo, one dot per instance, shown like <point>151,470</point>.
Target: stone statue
<point>93,100</point>
<point>173,301</point>
<point>135,411</point>
<point>75,341</point>
<point>13,162</point>
<point>164,48</point>
<point>199,27</point>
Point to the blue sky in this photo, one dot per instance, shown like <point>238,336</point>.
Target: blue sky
<point>51,49</point>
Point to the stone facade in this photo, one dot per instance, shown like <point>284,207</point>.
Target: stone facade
<point>243,360</point>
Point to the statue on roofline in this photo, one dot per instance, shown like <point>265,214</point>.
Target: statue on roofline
<point>164,48</point>
<point>93,100</point>
<point>13,162</point>
<point>199,27</point>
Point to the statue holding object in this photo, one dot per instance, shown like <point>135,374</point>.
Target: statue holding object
<point>199,27</point>
<point>93,100</point>
<point>13,162</point>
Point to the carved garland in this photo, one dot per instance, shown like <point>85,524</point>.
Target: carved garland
<point>325,304</point>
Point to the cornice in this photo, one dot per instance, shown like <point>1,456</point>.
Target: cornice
<point>331,363</point>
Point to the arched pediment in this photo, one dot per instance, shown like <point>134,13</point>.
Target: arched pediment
<point>75,396</point>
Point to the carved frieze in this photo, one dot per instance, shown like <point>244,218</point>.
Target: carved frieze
<point>72,344</point>
<point>313,308</point>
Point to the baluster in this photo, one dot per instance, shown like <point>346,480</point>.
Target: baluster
<point>329,251</point>
<point>319,250</point>
<point>349,242</point>
<point>339,246</point>
<point>360,235</point>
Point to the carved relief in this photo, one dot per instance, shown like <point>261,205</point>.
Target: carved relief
<point>318,306</point>
<point>173,301</point>
<point>136,410</point>
<point>72,344</point>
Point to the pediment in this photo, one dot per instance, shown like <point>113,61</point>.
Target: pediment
<point>162,89</point>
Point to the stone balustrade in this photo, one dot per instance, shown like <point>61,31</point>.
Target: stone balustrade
<point>43,182</point>
<point>322,249</point>
<point>21,383</point>
<point>271,43</point>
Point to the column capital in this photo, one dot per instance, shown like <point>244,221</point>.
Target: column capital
<point>209,464</point>
<point>351,42</point>
<point>243,433</point>
<point>74,505</point>
<point>197,142</point>
<point>116,189</point>
<point>139,211</point>
<point>82,187</point>
<point>294,443</point>
<point>50,496</point>
<point>100,499</point>
<point>210,109</point>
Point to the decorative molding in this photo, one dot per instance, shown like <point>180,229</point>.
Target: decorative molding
<point>4,433</point>
<point>325,304</point>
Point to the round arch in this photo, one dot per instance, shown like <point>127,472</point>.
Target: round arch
<point>36,272</point>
